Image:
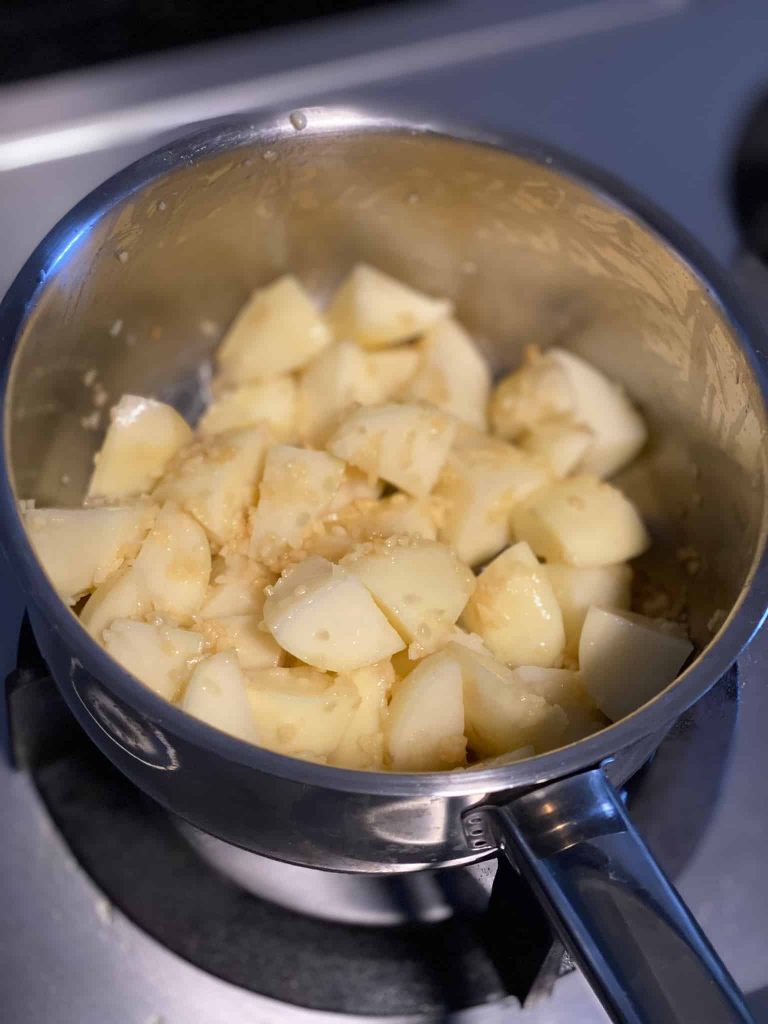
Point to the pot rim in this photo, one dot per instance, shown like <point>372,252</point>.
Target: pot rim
<point>232,133</point>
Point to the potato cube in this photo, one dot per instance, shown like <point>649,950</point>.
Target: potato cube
<point>393,368</point>
<point>581,521</point>
<point>406,445</point>
<point>236,588</point>
<point>626,660</point>
<point>217,694</point>
<point>122,596</point>
<point>162,657</point>
<point>424,728</point>
<point>142,438</point>
<point>421,586</point>
<point>332,383</point>
<point>375,310</point>
<point>362,743</point>
<point>174,564</point>
<point>273,402</point>
<point>452,374</point>
<point>355,486</point>
<point>244,635</point>
<point>80,548</point>
<point>576,589</point>
<point>276,331</point>
<point>566,690</point>
<point>536,392</point>
<point>561,443</point>
<point>324,616</point>
<point>515,612</point>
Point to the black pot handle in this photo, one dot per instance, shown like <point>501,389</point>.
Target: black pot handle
<point>617,913</point>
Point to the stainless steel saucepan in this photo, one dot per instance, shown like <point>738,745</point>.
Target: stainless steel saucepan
<point>134,288</point>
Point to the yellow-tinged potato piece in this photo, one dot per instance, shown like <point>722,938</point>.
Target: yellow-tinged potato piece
<point>452,374</point>
<point>355,486</point>
<point>217,694</point>
<point>515,612</point>
<point>500,714</point>
<point>216,480</point>
<point>536,392</point>
<point>406,445</point>
<point>161,656</point>
<point>300,711</point>
<point>236,587</point>
<point>122,596</point>
<point>273,402</point>
<point>277,330</point>
<point>324,616</point>
<point>362,743</point>
<point>566,689</point>
<point>393,368</point>
<point>243,634</point>
<point>581,521</point>
<point>337,379</point>
<point>298,485</point>
<point>608,586</point>
<point>625,659</point>
<point>421,586</point>
<point>375,310</point>
<point>174,564</point>
<point>561,443</point>
<point>80,548</point>
<point>424,728</point>
<point>142,438</point>
<point>481,482</point>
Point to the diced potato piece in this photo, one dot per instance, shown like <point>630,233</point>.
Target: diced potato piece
<point>215,481</point>
<point>243,634</point>
<point>397,515</point>
<point>298,485</point>
<point>375,310</point>
<point>217,694</point>
<point>80,548</point>
<point>421,586</point>
<point>339,378</point>
<point>424,729</point>
<point>174,564</point>
<point>273,402</point>
<point>561,443</point>
<point>324,616</point>
<point>362,743</point>
<point>393,368</point>
<point>276,331</point>
<point>300,711</point>
<point>515,611</point>
<point>355,485</point>
<point>501,715</point>
<point>581,521</point>
<point>406,445</point>
<point>122,596</point>
<point>618,430</point>
<point>452,374</point>
<point>162,657</point>
<point>236,588</point>
<point>142,438</point>
<point>566,689</point>
<point>627,659</point>
<point>536,392</point>
<point>608,586</point>
<point>481,483</point>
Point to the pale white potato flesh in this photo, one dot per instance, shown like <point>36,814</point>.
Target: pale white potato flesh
<point>272,402</point>
<point>626,659</point>
<point>243,634</point>
<point>376,310</point>
<point>355,485</point>
<point>515,611</point>
<point>337,379</point>
<point>217,694</point>
<point>236,587</point>
<point>361,745</point>
<point>174,564</point>
<point>404,444</point>
<point>161,656</point>
<point>536,392</point>
<point>80,548</point>
<point>324,616</point>
<point>392,368</point>
<point>276,331</point>
<point>142,438</point>
<point>121,596</point>
<point>581,521</point>
<point>608,586</point>
<point>561,443</point>
<point>424,728</point>
<point>565,689</point>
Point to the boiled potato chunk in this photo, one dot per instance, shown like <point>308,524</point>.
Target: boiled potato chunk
<point>536,392</point>
<point>236,588</point>
<point>215,480</point>
<point>406,445</point>
<point>452,374</point>
<point>80,548</point>
<point>608,586</point>
<point>421,586</point>
<point>142,438</point>
<point>217,694</point>
<point>273,402</point>
<point>339,378</point>
<point>243,634</point>
<point>424,729</point>
<point>162,657</point>
<point>276,331</point>
<point>324,616</point>
<point>515,611</point>
<point>362,743</point>
<point>122,596</point>
<point>561,443</point>
<point>565,689</point>
<point>298,485</point>
<point>392,368</point>
<point>581,521</point>
<point>355,486</point>
<point>375,310</point>
<point>174,564</point>
<point>626,659</point>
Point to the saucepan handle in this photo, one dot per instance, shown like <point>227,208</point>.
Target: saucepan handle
<point>617,913</point>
